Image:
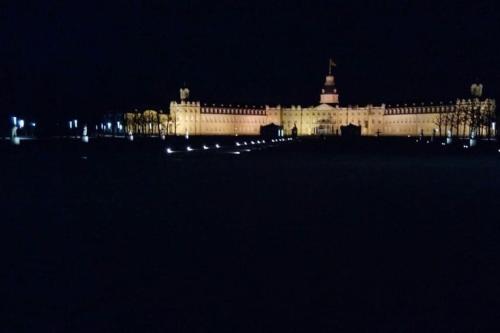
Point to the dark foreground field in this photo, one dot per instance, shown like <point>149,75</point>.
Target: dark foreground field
<point>305,237</point>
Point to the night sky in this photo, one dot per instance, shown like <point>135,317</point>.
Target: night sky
<point>62,59</point>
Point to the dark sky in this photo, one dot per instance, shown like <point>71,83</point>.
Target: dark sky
<point>77,58</point>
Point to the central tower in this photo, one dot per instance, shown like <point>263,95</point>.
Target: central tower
<point>329,93</point>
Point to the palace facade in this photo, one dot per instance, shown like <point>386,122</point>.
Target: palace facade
<point>186,117</point>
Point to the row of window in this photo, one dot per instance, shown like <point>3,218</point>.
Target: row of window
<point>257,112</point>
<point>222,120</point>
<point>419,110</point>
<point>234,111</point>
<point>418,121</point>
<point>332,114</point>
<point>239,130</point>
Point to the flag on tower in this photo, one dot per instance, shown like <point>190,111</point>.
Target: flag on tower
<point>330,65</point>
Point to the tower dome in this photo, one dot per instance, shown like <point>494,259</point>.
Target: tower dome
<point>329,93</point>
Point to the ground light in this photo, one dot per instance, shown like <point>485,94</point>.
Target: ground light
<point>251,142</point>
<point>189,148</point>
<point>205,147</point>
<point>217,146</point>
<point>245,143</point>
<point>169,151</point>
<point>238,144</point>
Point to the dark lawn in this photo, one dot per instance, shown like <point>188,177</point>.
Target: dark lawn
<point>307,237</point>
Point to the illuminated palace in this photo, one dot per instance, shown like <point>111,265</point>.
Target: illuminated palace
<point>187,117</point>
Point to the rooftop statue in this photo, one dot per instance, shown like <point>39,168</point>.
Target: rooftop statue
<point>184,92</point>
<point>476,89</point>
